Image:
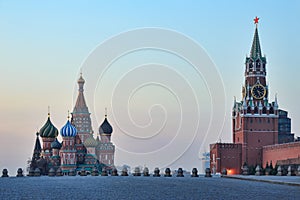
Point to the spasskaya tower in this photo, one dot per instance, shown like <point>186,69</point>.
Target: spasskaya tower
<point>255,118</point>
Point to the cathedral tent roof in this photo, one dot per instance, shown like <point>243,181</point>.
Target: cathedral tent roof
<point>90,142</point>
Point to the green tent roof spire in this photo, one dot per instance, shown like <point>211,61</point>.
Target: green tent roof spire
<point>255,49</point>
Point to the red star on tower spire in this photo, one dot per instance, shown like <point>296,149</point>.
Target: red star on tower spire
<point>256,20</point>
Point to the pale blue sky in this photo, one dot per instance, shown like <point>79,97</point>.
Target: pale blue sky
<point>43,45</point>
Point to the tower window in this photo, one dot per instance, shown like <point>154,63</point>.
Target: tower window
<point>256,110</point>
<point>250,66</point>
<point>249,109</point>
<point>264,111</point>
<point>258,66</point>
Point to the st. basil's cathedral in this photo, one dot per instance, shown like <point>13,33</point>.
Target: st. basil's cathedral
<point>78,148</point>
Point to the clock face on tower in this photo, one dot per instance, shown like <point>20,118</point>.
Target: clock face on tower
<point>258,91</point>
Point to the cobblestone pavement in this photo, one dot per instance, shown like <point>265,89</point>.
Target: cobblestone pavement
<point>142,188</point>
<point>288,180</point>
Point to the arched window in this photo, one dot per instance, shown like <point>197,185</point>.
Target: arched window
<point>264,67</point>
<point>250,66</point>
<point>256,110</point>
<point>249,109</point>
<point>271,110</point>
<point>264,110</point>
<point>257,65</point>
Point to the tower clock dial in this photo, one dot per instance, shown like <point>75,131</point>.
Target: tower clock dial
<point>258,91</point>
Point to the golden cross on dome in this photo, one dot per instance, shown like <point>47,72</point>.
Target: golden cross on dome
<point>48,111</point>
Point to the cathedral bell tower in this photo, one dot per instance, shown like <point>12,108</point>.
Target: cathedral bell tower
<point>255,119</point>
<point>81,116</point>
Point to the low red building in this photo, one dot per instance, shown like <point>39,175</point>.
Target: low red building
<point>226,156</point>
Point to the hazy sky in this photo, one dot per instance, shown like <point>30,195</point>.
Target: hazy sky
<point>44,45</point>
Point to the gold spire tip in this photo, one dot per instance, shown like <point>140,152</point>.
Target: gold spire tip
<point>48,111</point>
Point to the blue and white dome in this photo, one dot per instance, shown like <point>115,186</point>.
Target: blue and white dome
<point>68,130</point>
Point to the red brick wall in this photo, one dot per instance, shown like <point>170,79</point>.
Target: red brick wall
<point>226,155</point>
<point>254,133</point>
<point>280,152</point>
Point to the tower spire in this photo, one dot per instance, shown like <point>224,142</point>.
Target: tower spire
<point>80,105</point>
<point>80,117</point>
<point>255,49</point>
<point>276,103</point>
<point>37,146</point>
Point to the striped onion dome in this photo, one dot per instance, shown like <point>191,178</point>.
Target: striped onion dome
<point>68,130</point>
<point>90,142</point>
<point>48,130</point>
<point>55,144</point>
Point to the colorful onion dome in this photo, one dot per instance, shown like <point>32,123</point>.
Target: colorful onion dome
<point>48,130</point>
<point>68,130</point>
<point>90,142</point>
<point>105,127</point>
<point>56,144</point>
